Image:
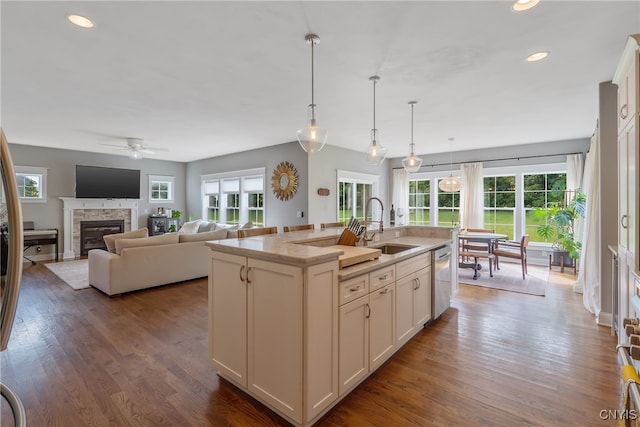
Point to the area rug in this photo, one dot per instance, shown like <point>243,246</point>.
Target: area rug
<point>508,278</point>
<point>73,273</point>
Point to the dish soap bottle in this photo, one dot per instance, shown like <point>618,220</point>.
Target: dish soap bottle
<point>392,216</point>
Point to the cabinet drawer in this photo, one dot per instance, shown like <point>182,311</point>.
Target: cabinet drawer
<point>414,264</point>
<point>382,277</point>
<point>354,288</point>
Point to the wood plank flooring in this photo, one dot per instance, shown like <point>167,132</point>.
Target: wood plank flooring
<point>496,358</point>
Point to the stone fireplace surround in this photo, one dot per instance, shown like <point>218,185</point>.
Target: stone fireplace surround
<point>76,210</point>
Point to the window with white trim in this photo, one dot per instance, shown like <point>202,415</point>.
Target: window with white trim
<point>354,189</point>
<point>32,183</point>
<point>234,197</point>
<point>161,188</point>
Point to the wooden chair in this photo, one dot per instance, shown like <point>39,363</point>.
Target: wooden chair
<point>477,246</point>
<point>250,232</point>
<point>288,228</point>
<point>512,249</point>
<point>331,225</point>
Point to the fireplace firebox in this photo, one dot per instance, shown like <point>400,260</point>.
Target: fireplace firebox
<point>91,233</point>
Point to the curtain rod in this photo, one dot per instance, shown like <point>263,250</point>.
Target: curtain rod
<point>498,160</point>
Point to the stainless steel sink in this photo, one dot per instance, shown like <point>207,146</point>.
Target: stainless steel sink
<point>392,248</point>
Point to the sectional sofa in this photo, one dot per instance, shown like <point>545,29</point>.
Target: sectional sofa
<point>135,261</point>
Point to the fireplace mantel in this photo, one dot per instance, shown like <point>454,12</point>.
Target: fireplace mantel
<point>71,204</point>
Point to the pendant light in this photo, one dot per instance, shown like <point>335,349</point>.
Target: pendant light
<point>412,163</point>
<point>452,183</point>
<point>375,153</point>
<point>311,137</point>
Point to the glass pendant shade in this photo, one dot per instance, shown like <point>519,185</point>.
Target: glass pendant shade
<point>311,137</point>
<point>450,184</point>
<point>376,153</point>
<point>412,163</point>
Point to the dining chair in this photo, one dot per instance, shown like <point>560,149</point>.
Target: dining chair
<point>514,250</point>
<point>288,228</point>
<point>331,225</point>
<point>477,246</point>
<point>259,231</point>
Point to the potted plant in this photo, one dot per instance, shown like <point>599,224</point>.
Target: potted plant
<point>559,227</point>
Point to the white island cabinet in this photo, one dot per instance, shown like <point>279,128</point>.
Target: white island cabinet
<point>297,333</point>
<point>273,331</point>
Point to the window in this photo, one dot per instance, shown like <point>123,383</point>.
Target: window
<point>354,189</point>
<point>32,183</point>
<point>234,197</point>
<point>500,204</point>
<point>448,208</point>
<point>161,188</point>
<point>539,190</point>
<point>419,201</point>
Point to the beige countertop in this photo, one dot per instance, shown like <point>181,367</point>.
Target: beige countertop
<point>301,248</point>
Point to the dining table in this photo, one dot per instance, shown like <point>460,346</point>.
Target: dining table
<point>480,237</point>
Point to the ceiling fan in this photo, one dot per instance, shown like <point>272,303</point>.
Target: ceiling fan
<point>136,148</point>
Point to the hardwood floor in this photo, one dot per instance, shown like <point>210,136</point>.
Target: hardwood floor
<point>496,358</point>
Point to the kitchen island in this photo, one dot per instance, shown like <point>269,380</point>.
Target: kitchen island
<point>293,330</point>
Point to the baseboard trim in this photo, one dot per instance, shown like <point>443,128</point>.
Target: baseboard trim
<point>604,319</point>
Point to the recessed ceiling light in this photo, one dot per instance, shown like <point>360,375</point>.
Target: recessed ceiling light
<point>80,20</point>
<point>522,5</point>
<point>537,56</point>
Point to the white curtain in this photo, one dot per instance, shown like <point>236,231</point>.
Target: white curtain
<point>590,263</point>
<point>400,196</point>
<point>472,196</point>
<point>575,177</point>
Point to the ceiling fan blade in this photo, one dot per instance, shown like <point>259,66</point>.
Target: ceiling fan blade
<point>120,147</point>
<point>145,151</point>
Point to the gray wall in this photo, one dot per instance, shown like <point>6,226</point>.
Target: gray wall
<point>323,167</point>
<point>607,107</point>
<point>278,213</point>
<point>60,166</point>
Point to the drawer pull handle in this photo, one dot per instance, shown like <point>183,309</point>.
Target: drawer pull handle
<point>368,315</point>
<point>249,271</point>
<point>383,277</point>
<point>624,111</point>
<point>242,279</point>
<point>384,291</point>
<point>357,288</point>
<point>417,284</point>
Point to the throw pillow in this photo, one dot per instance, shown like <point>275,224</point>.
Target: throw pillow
<point>206,226</point>
<point>247,225</point>
<point>162,239</point>
<point>207,235</point>
<point>110,239</point>
<point>190,226</point>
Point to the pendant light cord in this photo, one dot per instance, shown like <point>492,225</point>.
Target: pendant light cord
<point>313,104</point>
<point>374,103</point>
<point>412,128</point>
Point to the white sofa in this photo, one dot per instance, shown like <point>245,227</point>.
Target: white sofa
<point>141,262</point>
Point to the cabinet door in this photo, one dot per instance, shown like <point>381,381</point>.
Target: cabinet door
<point>422,298</point>
<point>627,187</point>
<point>353,364</point>
<point>405,316</point>
<point>274,335</point>
<point>381,325</point>
<point>228,316</point>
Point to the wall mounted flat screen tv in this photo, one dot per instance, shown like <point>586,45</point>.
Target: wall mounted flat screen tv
<point>95,182</point>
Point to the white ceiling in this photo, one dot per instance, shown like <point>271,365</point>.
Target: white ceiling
<point>203,79</point>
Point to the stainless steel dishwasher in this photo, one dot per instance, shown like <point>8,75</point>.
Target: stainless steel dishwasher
<point>441,289</point>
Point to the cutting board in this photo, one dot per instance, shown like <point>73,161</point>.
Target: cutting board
<point>355,254</point>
